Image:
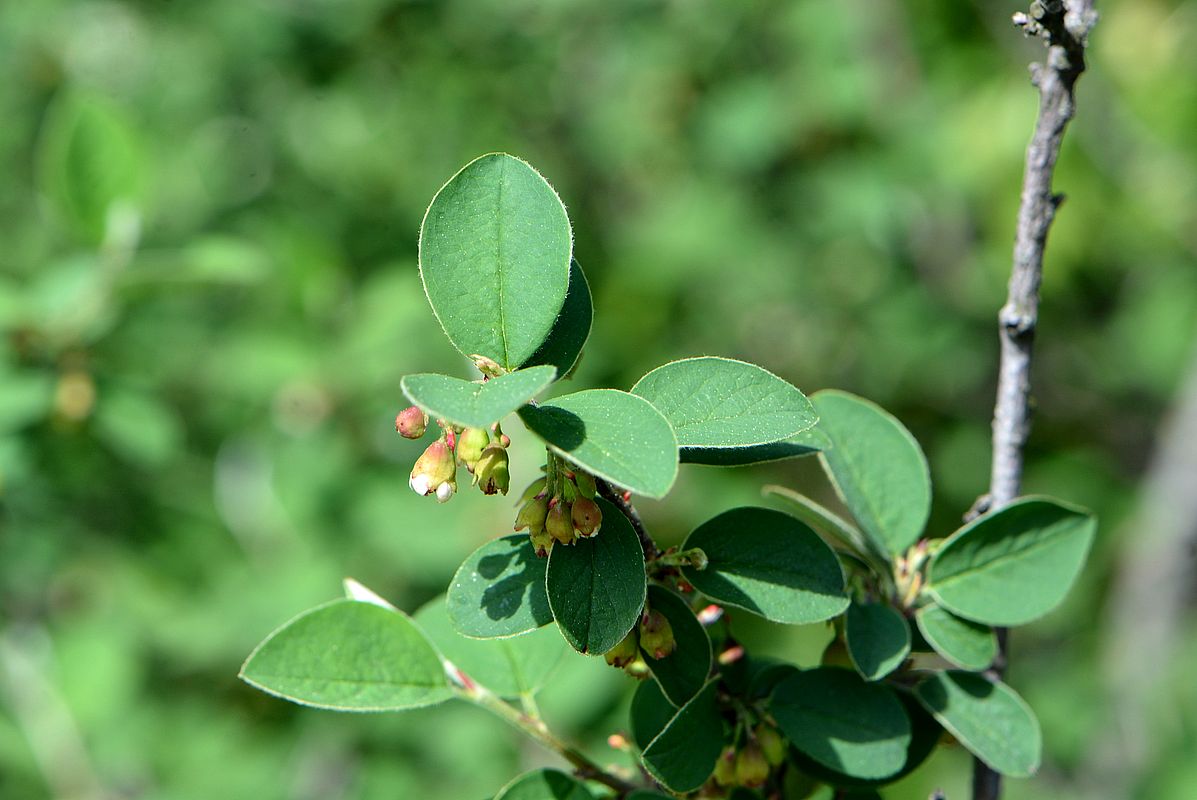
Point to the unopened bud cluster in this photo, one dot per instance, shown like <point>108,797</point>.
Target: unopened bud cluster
<point>749,764</point>
<point>559,508</point>
<point>435,471</point>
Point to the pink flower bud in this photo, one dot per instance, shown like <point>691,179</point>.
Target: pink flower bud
<point>411,423</point>
<point>587,517</point>
<point>434,468</point>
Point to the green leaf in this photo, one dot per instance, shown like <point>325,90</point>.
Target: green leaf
<point>807,443</point>
<point>877,468</point>
<point>475,404</point>
<point>878,639</point>
<point>651,711</point>
<point>683,755</point>
<point>723,404</point>
<point>966,644</point>
<point>684,671</point>
<point>990,719</point>
<point>519,665</point>
<point>544,784</point>
<point>853,727</point>
<point>349,656</point>
<point>89,162</point>
<point>564,346</point>
<point>597,586</point>
<point>616,436</point>
<point>495,250</point>
<point>831,525</point>
<point>769,563</point>
<point>499,590</point>
<point>925,734</point>
<point>1014,565</point>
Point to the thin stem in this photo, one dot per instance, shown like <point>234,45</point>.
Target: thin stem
<point>613,496</point>
<point>1063,25</point>
<point>535,727</point>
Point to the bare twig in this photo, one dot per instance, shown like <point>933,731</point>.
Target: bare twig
<point>1063,25</point>
<point>615,497</point>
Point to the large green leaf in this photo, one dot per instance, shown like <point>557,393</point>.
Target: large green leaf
<point>1014,565</point>
<point>683,754</point>
<point>499,590</point>
<point>89,162</point>
<point>853,727</point>
<point>518,665</point>
<point>808,443</point>
<point>724,404</point>
<point>544,784</point>
<point>597,586</point>
<point>651,711</point>
<point>682,673</point>
<point>878,639</point>
<point>615,435</point>
<point>990,719</point>
<point>475,404</point>
<point>925,734</point>
<point>769,563</point>
<point>495,250</point>
<point>349,656</point>
<point>877,467</point>
<point>966,644</point>
<point>564,346</point>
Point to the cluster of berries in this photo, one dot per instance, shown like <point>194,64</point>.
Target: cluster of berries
<point>749,765</point>
<point>559,507</point>
<point>435,471</point>
<point>653,636</point>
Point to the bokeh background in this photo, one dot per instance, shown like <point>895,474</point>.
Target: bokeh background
<point>208,294</point>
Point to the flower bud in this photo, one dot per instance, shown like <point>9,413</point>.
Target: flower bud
<point>623,653</point>
<point>433,468</point>
<point>411,423</point>
<point>532,516</point>
<point>585,483</point>
<point>772,745</point>
<point>542,540</point>
<point>534,489</point>
<point>491,472</point>
<point>487,366</point>
<point>656,635</point>
<point>587,517</point>
<point>445,491</point>
<point>751,768</point>
<point>470,445</point>
<point>725,767</point>
<point>558,522</point>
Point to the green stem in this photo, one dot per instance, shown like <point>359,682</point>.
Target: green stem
<point>531,724</point>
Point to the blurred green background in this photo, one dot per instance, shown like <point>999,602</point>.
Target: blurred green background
<point>208,294</point>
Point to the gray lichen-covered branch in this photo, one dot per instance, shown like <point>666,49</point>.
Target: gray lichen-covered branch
<point>1064,26</point>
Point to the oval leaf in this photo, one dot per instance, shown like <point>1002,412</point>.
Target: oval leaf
<point>966,644</point>
<point>683,754</point>
<point>807,443</point>
<point>475,404</point>
<point>564,346</point>
<point>853,727</point>
<point>597,586</point>
<point>495,249</point>
<point>544,784</point>
<point>499,590</point>
<point>877,468</point>
<point>510,667</point>
<point>878,639</point>
<point>349,656</point>
<point>650,713</point>
<point>1014,565</point>
<point>769,563</point>
<point>724,404</point>
<point>684,671</point>
<point>831,525</point>
<point>925,734</point>
<point>990,719</point>
<point>614,435</point>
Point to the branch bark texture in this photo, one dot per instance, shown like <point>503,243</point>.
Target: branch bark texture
<point>1063,26</point>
